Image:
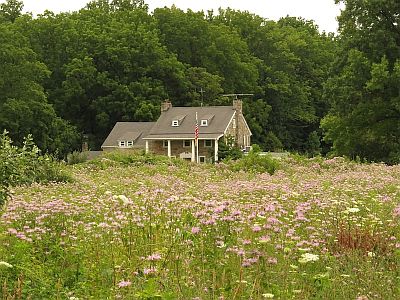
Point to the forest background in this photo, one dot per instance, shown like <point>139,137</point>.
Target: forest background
<point>69,75</point>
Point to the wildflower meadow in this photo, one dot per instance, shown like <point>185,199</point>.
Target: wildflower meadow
<point>315,229</point>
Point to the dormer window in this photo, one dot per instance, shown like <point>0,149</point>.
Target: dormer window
<point>206,120</point>
<point>128,139</point>
<point>177,121</point>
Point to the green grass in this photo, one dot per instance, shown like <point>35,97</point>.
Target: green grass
<point>149,228</point>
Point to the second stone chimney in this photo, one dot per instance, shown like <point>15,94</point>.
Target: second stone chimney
<point>166,105</point>
<point>238,106</point>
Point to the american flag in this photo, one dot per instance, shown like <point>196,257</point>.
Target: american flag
<point>196,130</point>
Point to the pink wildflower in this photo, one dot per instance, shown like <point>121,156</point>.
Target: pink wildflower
<point>272,260</point>
<point>149,271</point>
<point>396,211</point>
<point>12,231</point>
<point>154,257</point>
<point>264,239</point>
<point>195,230</point>
<point>124,283</point>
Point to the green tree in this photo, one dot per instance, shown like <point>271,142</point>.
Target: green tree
<point>200,43</point>
<point>364,90</point>
<point>314,144</point>
<point>11,10</point>
<point>203,87</point>
<point>107,60</point>
<point>295,63</point>
<point>23,105</point>
<point>227,149</point>
<point>272,142</point>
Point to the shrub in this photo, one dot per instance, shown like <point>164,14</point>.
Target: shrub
<point>272,142</point>
<point>25,165</point>
<point>228,150</point>
<point>256,163</point>
<point>135,157</point>
<point>76,157</point>
<point>313,145</point>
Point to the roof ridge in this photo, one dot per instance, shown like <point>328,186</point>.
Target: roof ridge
<point>213,106</point>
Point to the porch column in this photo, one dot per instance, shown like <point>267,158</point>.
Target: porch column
<point>193,151</point>
<point>169,148</point>
<point>216,151</point>
<point>147,147</point>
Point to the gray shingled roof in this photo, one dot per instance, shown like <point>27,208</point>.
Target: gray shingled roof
<point>130,136</point>
<point>163,129</point>
<point>128,131</point>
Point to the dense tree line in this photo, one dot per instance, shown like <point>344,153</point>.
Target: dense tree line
<point>68,74</point>
<point>364,88</point>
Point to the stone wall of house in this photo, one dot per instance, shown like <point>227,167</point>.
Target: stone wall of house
<point>241,134</point>
<point>156,147</point>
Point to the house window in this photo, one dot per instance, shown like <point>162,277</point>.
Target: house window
<point>208,143</point>
<point>234,123</point>
<point>202,159</point>
<point>204,123</point>
<point>187,143</point>
<point>177,120</point>
<point>129,143</point>
<point>122,143</point>
<point>165,143</point>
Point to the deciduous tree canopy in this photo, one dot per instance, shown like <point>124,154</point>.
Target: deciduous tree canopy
<point>114,61</point>
<point>364,88</point>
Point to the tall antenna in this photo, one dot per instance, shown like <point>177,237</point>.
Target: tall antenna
<point>202,92</point>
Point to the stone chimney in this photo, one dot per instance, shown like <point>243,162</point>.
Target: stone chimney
<point>238,106</point>
<point>85,143</point>
<point>166,105</point>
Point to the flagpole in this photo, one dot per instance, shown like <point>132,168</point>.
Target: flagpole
<point>197,139</point>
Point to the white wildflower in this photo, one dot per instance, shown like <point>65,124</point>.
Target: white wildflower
<point>268,295</point>
<point>307,257</point>
<point>124,199</point>
<point>353,210</point>
<point>5,264</point>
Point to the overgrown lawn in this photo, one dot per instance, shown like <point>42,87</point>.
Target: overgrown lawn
<point>322,229</point>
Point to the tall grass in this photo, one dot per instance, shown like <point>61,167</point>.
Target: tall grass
<point>315,229</point>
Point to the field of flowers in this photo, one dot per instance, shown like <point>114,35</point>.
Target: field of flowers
<point>316,229</point>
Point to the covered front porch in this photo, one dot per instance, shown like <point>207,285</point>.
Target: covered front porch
<point>206,149</point>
